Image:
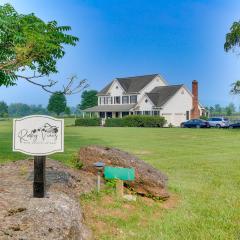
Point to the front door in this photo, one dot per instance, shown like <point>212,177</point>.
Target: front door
<point>117,114</point>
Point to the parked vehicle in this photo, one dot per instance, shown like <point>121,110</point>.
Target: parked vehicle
<point>219,122</point>
<point>234,125</point>
<point>195,123</point>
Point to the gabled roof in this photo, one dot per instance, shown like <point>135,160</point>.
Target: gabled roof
<point>160,95</point>
<point>135,84</point>
<point>131,84</point>
<point>105,89</point>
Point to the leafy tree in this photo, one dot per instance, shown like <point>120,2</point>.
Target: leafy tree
<point>233,37</point>
<point>89,99</point>
<point>39,109</point>
<point>19,110</point>
<point>28,44</point>
<point>218,108</point>
<point>230,109</point>
<point>3,109</point>
<point>57,103</point>
<point>211,110</point>
<point>67,111</point>
<point>232,42</point>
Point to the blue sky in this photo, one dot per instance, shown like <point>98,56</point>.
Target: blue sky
<point>182,40</point>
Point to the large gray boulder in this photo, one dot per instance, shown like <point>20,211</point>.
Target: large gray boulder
<point>58,216</point>
<point>149,181</point>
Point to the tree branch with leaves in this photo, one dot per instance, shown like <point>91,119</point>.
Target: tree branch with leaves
<point>233,43</point>
<point>29,45</point>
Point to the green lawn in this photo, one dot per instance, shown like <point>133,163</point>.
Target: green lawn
<point>203,166</point>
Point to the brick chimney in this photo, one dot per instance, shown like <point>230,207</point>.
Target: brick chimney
<point>195,113</point>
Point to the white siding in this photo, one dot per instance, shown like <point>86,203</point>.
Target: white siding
<point>115,89</point>
<point>175,109</point>
<point>145,104</point>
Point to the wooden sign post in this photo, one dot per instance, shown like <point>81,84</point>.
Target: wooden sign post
<point>38,136</point>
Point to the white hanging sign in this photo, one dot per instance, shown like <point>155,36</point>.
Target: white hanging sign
<point>38,135</point>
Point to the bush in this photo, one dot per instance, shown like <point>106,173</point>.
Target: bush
<point>87,122</point>
<point>136,121</point>
<point>76,162</point>
<point>114,122</point>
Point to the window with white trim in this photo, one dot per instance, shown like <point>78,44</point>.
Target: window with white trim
<point>146,112</point>
<point>109,100</point>
<point>117,100</point>
<point>133,99</point>
<point>125,99</point>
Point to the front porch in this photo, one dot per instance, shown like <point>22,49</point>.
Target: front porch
<point>105,115</point>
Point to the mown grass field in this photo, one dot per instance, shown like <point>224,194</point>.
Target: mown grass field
<point>203,166</point>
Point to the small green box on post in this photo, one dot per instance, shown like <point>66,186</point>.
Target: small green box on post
<point>124,174</point>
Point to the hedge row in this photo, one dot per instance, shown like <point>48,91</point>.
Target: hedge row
<point>114,122</point>
<point>87,122</point>
<point>136,121</point>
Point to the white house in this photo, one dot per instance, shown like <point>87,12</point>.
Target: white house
<point>148,95</point>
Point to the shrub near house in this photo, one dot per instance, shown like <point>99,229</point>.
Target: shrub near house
<point>88,122</point>
<point>128,121</point>
<point>136,121</point>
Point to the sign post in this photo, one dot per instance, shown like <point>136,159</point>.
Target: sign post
<point>38,136</point>
<point>39,176</point>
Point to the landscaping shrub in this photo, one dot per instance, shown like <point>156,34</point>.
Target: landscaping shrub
<point>114,122</point>
<point>87,122</point>
<point>136,121</point>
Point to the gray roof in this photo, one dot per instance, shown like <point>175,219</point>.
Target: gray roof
<point>160,95</point>
<point>131,84</point>
<point>110,108</point>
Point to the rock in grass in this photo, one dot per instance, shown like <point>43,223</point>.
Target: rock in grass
<point>58,216</point>
<point>149,181</point>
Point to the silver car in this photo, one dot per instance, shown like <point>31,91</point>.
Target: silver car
<point>219,122</point>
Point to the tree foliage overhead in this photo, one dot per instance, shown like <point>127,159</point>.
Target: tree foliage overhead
<point>89,99</point>
<point>29,43</point>
<point>57,103</point>
<point>232,42</point>
<point>233,37</point>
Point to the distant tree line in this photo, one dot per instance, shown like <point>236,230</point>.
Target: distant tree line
<point>228,110</point>
<point>22,109</point>
<point>57,105</point>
